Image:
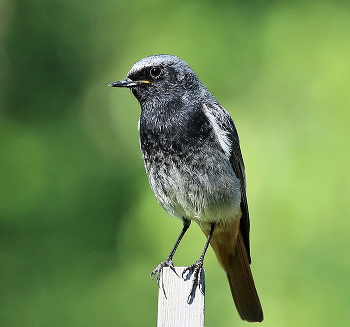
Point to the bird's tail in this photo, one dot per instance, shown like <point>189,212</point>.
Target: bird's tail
<point>233,257</point>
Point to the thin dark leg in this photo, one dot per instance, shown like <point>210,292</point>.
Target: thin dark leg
<point>197,269</point>
<point>168,261</point>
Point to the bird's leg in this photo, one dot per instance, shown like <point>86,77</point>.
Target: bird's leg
<point>168,261</point>
<point>197,269</point>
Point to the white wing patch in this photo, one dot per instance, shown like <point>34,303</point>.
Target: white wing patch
<point>138,125</point>
<point>221,134</point>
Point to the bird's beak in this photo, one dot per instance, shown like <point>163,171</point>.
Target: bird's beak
<point>127,82</point>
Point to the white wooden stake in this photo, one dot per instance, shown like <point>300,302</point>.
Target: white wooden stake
<point>173,308</point>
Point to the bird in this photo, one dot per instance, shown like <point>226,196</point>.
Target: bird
<point>192,157</point>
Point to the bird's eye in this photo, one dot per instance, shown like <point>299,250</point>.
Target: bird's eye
<point>155,71</point>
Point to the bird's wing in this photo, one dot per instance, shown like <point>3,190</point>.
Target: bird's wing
<point>229,141</point>
<point>236,160</point>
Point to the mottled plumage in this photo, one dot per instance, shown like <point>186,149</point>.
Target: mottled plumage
<point>193,160</point>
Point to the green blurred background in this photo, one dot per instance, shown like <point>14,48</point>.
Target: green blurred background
<point>80,228</point>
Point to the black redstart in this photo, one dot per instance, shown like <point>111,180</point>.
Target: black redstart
<point>194,164</point>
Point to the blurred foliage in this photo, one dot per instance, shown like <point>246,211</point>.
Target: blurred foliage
<point>79,228</point>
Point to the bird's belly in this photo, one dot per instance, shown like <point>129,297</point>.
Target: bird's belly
<point>209,193</point>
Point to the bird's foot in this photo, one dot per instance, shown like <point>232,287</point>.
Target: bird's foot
<point>198,278</point>
<point>158,271</point>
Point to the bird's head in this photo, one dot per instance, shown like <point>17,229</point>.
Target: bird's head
<point>159,76</point>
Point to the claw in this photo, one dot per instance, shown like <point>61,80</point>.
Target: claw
<point>189,270</point>
<point>158,271</point>
<point>197,271</point>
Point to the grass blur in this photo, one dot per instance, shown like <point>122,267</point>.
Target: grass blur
<point>80,229</point>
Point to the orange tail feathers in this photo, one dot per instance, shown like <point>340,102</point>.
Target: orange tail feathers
<point>232,256</point>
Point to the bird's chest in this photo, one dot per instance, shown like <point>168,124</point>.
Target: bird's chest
<point>165,137</point>
<point>187,170</point>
